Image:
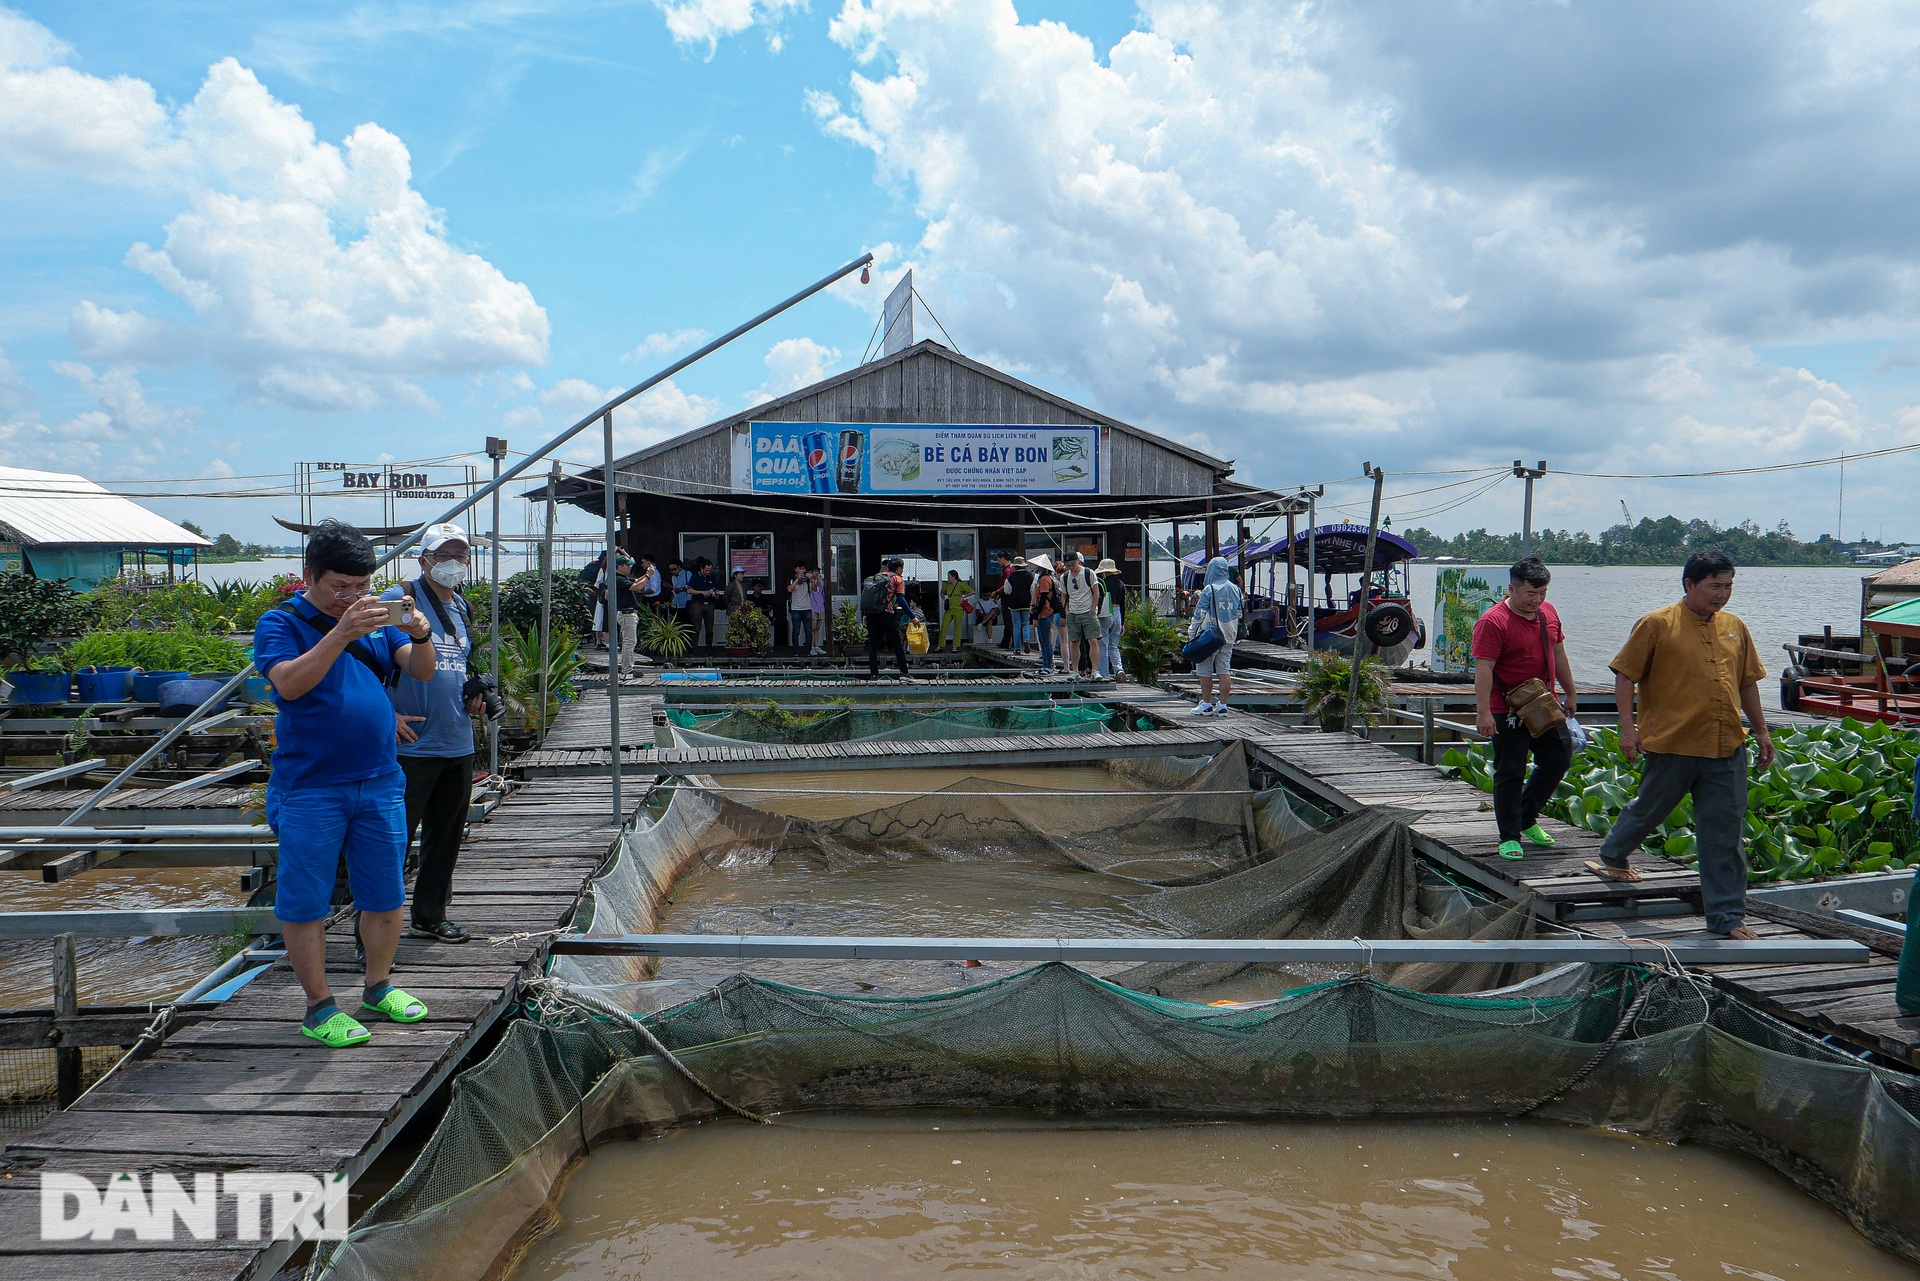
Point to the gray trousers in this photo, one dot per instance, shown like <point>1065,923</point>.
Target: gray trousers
<point>1719,791</point>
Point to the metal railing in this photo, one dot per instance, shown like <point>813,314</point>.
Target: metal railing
<point>610,482</point>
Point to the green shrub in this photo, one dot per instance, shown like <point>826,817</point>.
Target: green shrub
<point>848,628</point>
<point>749,628</point>
<point>1149,644</point>
<point>167,651</point>
<point>35,610</point>
<point>1327,681</point>
<point>1837,799</point>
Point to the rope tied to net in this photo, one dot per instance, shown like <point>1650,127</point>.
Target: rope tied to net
<point>608,1008</point>
<point>1626,1021</point>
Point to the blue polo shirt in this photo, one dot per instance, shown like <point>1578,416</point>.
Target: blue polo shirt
<point>341,730</point>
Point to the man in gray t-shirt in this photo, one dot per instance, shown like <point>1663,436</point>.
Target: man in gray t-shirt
<point>433,720</point>
<point>1083,592</point>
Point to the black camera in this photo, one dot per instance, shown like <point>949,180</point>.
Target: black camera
<point>482,686</point>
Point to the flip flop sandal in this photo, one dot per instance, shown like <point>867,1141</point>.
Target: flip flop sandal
<point>1511,849</point>
<point>1617,875</point>
<point>398,1006</point>
<point>1538,835</point>
<point>338,1032</point>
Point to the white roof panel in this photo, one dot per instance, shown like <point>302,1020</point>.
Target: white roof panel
<point>59,509</point>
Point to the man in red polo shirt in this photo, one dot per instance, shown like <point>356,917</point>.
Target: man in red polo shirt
<point>1516,641</point>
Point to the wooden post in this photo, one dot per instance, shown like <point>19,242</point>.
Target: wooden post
<point>1360,645</point>
<point>1293,612</point>
<point>1211,542</point>
<point>66,1004</point>
<point>1426,731</point>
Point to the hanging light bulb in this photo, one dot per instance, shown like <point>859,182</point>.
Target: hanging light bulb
<point>866,276</point>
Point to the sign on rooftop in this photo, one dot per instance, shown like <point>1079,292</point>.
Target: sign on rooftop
<point>917,458</point>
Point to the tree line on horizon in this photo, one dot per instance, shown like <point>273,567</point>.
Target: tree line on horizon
<point>1667,540</point>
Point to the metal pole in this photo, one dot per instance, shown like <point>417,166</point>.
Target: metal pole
<point>496,450</point>
<point>609,483</point>
<point>1312,546</point>
<point>546,595</point>
<point>167,739</point>
<point>1360,645</point>
<point>1529,475</point>
<point>827,580</point>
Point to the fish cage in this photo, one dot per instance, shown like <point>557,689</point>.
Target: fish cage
<point>614,1047</point>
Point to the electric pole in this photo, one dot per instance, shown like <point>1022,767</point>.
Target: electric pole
<point>1528,474</point>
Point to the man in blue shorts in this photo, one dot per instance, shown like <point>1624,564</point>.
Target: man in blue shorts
<point>336,791</point>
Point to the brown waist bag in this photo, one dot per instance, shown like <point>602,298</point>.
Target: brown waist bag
<point>1532,701</point>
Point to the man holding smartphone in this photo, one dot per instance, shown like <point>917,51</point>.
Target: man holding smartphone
<point>336,791</point>
<point>433,721</point>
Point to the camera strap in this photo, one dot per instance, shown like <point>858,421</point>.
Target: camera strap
<point>419,590</point>
<point>382,672</point>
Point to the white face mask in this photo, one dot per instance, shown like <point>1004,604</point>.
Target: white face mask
<point>449,573</point>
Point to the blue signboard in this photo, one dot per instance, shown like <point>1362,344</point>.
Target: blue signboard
<point>898,458</point>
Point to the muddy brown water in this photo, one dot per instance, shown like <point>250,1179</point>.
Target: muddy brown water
<point>964,893</point>
<point>114,971</point>
<point>998,1195</point>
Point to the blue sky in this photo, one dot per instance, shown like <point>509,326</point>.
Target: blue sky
<point>1632,238</point>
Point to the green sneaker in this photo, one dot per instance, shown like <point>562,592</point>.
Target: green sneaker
<point>1511,849</point>
<point>1538,835</point>
<point>398,1006</point>
<point>338,1032</point>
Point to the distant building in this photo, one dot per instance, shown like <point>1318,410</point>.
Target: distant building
<point>59,525</point>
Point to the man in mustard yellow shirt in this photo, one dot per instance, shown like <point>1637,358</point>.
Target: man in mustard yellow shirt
<point>1694,669</point>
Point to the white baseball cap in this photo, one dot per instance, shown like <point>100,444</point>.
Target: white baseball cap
<point>438,536</point>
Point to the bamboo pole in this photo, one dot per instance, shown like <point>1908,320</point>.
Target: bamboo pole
<point>1360,645</point>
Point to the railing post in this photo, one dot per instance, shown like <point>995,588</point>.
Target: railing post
<point>611,582</point>
<point>66,1004</point>
<point>1426,731</point>
<point>546,595</point>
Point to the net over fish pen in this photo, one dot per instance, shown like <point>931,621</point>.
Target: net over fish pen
<point>1186,849</point>
<point>770,723</point>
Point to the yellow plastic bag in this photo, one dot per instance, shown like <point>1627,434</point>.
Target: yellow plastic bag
<point>917,637</point>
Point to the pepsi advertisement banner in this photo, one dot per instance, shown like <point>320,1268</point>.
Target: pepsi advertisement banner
<point>889,458</point>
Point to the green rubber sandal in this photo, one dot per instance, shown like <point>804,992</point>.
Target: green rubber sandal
<point>1540,836</point>
<point>398,1006</point>
<point>338,1032</point>
<point>1511,849</point>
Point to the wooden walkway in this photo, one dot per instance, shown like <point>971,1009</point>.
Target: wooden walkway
<point>762,758</point>
<point>242,1090</point>
<point>1853,1003</point>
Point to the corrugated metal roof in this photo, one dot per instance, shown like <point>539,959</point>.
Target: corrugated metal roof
<point>59,509</point>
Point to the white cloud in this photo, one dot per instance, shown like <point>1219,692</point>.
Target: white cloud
<point>654,346</point>
<point>313,274</point>
<point>660,412</point>
<point>1307,235</point>
<point>126,430</point>
<point>710,21</point>
<point>793,363</point>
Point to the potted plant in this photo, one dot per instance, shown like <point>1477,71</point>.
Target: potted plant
<point>1149,644</point>
<point>664,635</point>
<point>848,629</point>
<point>32,612</point>
<point>1325,684</point>
<point>749,631</point>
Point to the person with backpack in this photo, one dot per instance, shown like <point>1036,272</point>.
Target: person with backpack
<point>1113,617</point>
<point>1045,610</point>
<point>433,720</point>
<point>883,603</point>
<point>1216,605</point>
<point>336,792</point>
<point>1016,597</point>
<point>1082,595</point>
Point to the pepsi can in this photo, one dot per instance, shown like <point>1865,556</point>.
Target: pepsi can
<point>853,448</point>
<point>819,466</point>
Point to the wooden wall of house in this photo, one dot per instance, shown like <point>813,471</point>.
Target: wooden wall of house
<point>926,387</point>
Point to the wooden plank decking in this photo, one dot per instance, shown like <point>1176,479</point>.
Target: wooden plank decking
<point>243,1090</point>
<point>761,758</point>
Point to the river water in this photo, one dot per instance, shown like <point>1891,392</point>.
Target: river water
<point>996,1195</point>
<point>1598,606</point>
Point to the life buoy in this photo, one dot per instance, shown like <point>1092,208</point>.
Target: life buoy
<point>1389,624</point>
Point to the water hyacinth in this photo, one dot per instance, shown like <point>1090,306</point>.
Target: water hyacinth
<point>1839,798</point>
